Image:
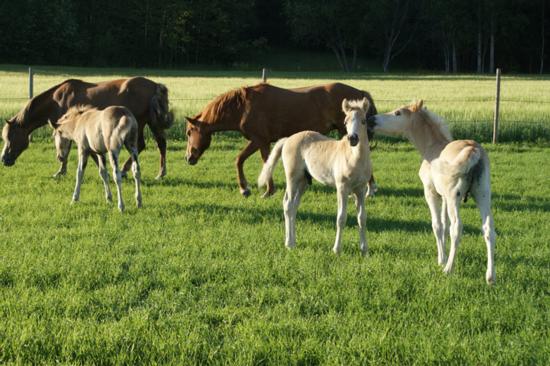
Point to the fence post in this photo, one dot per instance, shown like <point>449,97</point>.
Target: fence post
<point>264,75</point>
<point>30,83</point>
<point>497,108</point>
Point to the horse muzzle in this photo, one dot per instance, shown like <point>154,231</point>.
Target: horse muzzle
<point>191,160</point>
<point>8,160</point>
<point>353,139</point>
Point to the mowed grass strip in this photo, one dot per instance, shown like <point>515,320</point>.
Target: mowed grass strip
<point>200,275</point>
<point>465,101</point>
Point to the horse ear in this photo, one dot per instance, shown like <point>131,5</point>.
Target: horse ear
<point>345,105</point>
<point>366,104</point>
<point>8,122</point>
<point>193,121</point>
<point>419,104</point>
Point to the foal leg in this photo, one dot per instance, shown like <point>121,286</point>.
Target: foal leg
<point>140,145</point>
<point>136,171</point>
<point>483,200</point>
<point>291,200</point>
<point>435,204</point>
<point>117,176</point>
<point>372,187</point>
<point>104,176</point>
<point>250,149</point>
<point>453,206</point>
<point>361,219</point>
<point>82,161</point>
<point>63,168</point>
<point>264,150</point>
<point>342,194</point>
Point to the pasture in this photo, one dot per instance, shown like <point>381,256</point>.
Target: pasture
<point>200,275</point>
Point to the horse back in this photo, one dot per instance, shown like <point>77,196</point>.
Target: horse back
<point>276,112</point>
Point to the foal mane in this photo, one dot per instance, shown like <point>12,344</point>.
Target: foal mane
<point>223,105</point>
<point>433,121</point>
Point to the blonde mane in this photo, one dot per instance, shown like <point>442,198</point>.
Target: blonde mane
<point>432,120</point>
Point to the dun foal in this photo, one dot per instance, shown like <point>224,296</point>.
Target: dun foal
<point>450,171</point>
<point>100,132</point>
<point>344,164</point>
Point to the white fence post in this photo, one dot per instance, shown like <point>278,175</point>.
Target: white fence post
<point>264,75</point>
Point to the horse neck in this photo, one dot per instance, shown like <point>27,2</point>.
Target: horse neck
<point>39,110</point>
<point>428,143</point>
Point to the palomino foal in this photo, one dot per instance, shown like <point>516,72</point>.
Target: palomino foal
<point>344,164</point>
<point>450,171</point>
<point>100,132</point>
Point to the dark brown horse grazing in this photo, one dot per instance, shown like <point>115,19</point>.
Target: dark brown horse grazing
<point>264,113</point>
<point>147,100</point>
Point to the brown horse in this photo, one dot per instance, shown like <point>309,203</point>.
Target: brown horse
<point>264,113</point>
<point>147,100</point>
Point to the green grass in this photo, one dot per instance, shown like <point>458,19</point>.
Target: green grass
<point>201,276</point>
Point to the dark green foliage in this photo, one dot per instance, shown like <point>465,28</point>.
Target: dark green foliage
<point>398,34</point>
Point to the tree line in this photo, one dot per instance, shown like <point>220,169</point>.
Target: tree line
<point>439,35</point>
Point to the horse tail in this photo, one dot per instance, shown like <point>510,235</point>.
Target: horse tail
<point>269,165</point>
<point>159,108</point>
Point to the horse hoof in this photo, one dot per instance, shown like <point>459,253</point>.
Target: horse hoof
<point>268,194</point>
<point>245,192</point>
<point>160,176</point>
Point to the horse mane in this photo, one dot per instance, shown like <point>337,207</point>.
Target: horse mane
<point>432,120</point>
<point>223,104</point>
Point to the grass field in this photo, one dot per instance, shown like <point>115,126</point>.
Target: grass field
<point>201,276</point>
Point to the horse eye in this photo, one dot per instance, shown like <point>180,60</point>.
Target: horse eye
<point>397,113</point>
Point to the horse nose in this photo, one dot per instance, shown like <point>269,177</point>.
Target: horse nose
<point>353,139</point>
<point>372,120</point>
<point>191,160</point>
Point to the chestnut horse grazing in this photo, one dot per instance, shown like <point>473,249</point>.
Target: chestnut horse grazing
<point>450,171</point>
<point>147,100</point>
<point>100,132</point>
<point>264,113</point>
<point>343,164</point>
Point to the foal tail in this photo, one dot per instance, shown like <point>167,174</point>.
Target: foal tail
<point>159,108</point>
<point>269,165</point>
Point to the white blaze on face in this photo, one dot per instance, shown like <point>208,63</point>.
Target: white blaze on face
<point>353,124</point>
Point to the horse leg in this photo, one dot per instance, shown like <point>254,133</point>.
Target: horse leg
<point>264,150</point>
<point>250,149</point>
<point>161,143</point>
<point>82,161</point>
<point>372,187</point>
<point>483,200</point>
<point>63,167</point>
<point>104,177</point>
<point>117,176</point>
<point>361,219</point>
<point>136,171</point>
<point>453,206</point>
<point>342,194</point>
<point>435,204</point>
<point>291,200</point>
<point>140,147</point>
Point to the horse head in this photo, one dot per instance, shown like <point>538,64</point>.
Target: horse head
<point>16,140</point>
<point>356,118</point>
<point>199,137</point>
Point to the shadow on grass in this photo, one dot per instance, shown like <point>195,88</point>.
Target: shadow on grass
<point>515,202</point>
<point>255,215</point>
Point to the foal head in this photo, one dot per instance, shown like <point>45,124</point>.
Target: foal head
<point>397,122</point>
<point>62,131</point>
<point>356,118</point>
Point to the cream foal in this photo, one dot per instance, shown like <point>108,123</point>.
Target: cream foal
<point>344,164</point>
<point>450,171</point>
<point>100,132</point>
